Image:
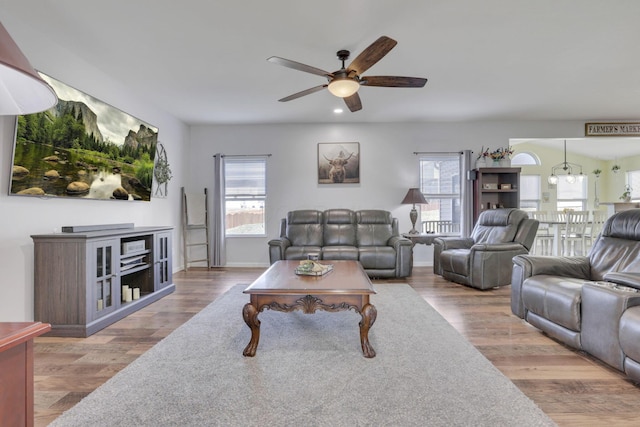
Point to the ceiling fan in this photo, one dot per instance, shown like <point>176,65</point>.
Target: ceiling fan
<point>345,82</point>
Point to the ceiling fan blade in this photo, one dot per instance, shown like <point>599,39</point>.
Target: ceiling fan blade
<point>374,53</point>
<point>393,81</point>
<point>353,102</point>
<point>298,66</point>
<point>303,93</point>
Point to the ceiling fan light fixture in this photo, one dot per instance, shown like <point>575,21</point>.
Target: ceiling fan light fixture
<point>343,87</point>
<point>345,82</point>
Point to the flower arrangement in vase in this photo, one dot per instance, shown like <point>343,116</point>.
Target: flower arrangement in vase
<point>481,161</point>
<point>502,156</point>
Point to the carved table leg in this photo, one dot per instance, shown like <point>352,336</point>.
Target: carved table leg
<point>368,314</point>
<point>250,315</point>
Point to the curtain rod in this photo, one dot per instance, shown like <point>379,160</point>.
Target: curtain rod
<point>437,152</point>
<point>242,155</point>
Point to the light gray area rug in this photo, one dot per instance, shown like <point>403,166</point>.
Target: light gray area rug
<point>309,371</point>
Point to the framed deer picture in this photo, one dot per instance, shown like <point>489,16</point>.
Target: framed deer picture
<point>338,163</point>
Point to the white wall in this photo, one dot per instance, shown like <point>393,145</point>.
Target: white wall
<point>23,216</point>
<point>388,167</point>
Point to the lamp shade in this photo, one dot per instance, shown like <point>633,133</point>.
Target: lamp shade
<point>414,195</point>
<point>22,90</point>
<point>343,87</point>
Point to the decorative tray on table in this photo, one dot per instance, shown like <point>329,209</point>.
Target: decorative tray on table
<point>313,268</point>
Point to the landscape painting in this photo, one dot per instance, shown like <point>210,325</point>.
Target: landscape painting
<point>83,148</point>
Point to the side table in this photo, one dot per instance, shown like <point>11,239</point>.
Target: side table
<point>422,238</point>
<point>16,371</point>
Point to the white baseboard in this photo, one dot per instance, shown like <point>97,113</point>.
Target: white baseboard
<point>262,265</point>
<point>423,264</point>
<point>246,265</point>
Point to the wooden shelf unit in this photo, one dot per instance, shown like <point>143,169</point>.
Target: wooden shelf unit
<point>78,276</point>
<point>496,196</point>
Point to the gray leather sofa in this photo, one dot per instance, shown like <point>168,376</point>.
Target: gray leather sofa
<point>483,260</point>
<point>591,303</point>
<point>368,236</point>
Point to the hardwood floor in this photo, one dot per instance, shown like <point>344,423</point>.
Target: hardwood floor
<point>571,387</point>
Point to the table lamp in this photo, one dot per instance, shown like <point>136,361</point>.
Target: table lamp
<point>414,195</point>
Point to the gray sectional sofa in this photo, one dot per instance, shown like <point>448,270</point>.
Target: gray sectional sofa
<point>368,236</point>
<point>591,303</point>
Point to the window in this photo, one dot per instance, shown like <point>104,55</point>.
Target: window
<point>633,180</point>
<point>440,184</point>
<point>524,159</point>
<point>530,192</point>
<point>245,195</point>
<point>572,196</point>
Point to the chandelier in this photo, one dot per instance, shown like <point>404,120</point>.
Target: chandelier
<point>568,168</point>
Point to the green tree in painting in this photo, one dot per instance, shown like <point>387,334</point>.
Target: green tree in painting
<point>144,170</point>
<point>43,127</point>
<point>21,129</point>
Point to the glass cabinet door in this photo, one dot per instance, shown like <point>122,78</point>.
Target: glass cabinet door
<point>162,255</point>
<point>105,278</point>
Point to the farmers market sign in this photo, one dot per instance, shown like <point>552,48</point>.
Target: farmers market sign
<point>612,129</point>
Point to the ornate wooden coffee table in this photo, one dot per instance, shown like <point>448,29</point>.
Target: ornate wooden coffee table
<point>279,288</point>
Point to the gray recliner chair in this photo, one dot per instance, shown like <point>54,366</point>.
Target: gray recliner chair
<point>484,260</point>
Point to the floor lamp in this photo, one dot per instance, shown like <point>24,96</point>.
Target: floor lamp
<point>22,90</point>
<point>414,195</point>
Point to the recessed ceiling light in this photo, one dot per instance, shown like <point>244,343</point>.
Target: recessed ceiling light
<point>338,110</point>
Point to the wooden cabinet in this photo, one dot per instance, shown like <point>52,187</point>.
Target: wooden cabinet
<point>85,281</point>
<point>494,188</point>
<point>16,371</point>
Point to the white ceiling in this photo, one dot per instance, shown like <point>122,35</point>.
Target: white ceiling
<point>204,61</point>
